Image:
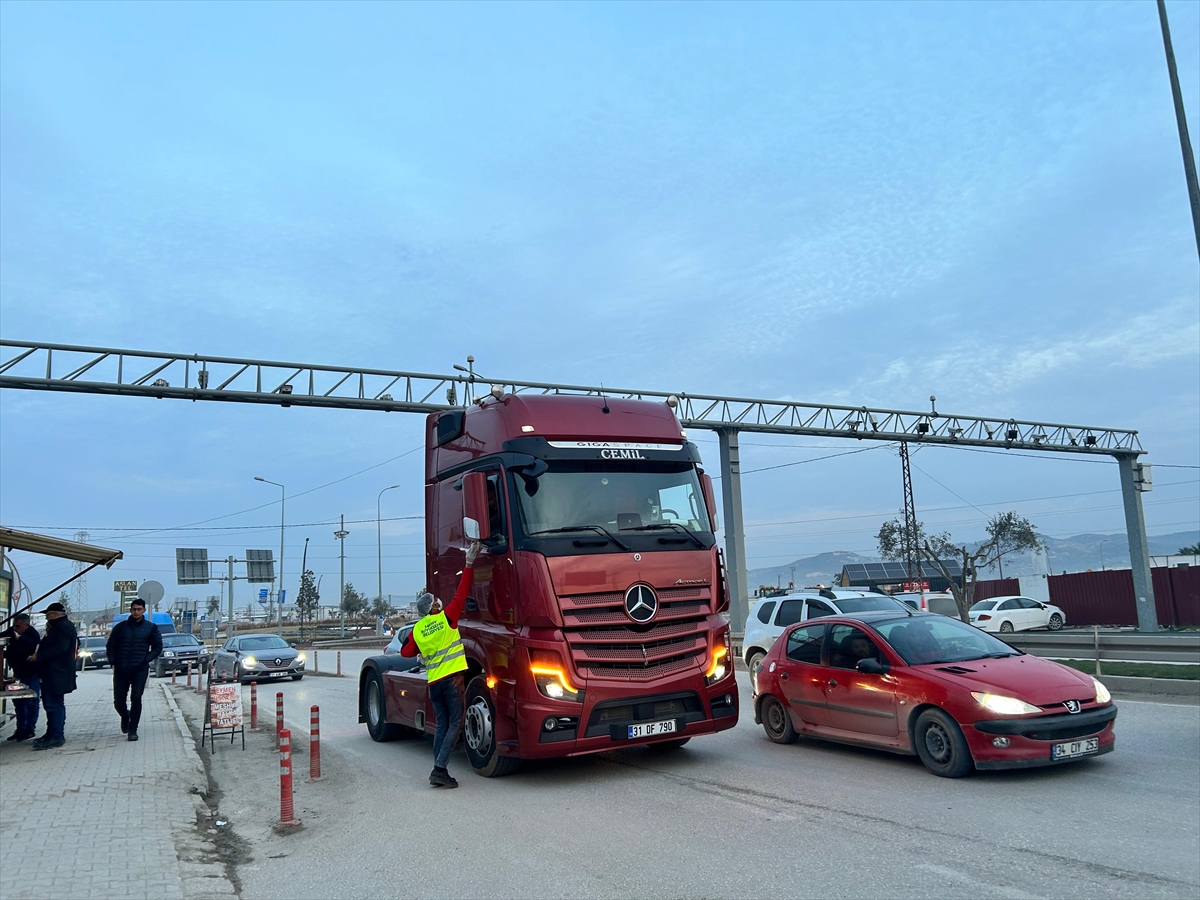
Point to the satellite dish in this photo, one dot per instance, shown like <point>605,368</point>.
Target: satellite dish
<point>150,592</point>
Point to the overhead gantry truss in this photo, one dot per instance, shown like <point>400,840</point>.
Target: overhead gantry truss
<point>106,370</point>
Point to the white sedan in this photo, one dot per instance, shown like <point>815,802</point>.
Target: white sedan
<point>1009,614</point>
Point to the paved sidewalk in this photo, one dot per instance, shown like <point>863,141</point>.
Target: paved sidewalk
<point>105,817</point>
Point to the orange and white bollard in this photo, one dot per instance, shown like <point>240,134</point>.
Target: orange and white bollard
<point>316,662</point>
<point>189,681</point>
<point>314,744</point>
<point>339,668</point>
<point>199,681</point>
<point>254,706</point>
<point>278,716</point>
<point>287,806</point>
<point>173,671</point>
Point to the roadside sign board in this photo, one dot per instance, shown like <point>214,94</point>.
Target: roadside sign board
<point>262,595</point>
<point>225,706</point>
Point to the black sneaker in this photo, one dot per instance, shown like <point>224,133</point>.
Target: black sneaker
<point>21,736</point>
<point>48,745</point>
<point>442,779</point>
<point>124,722</point>
<point>132,736</point>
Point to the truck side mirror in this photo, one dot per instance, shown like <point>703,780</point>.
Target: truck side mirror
<point>710,500</point>
<point>476,521</point>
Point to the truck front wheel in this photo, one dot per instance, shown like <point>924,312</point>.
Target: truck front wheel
<point>479,733</point>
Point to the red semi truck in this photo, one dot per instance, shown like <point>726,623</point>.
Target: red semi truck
<point>594,619</point>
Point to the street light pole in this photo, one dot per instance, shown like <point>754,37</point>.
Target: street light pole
<point>1102,543</point>
<point>341,534</point>
<point>379,536</point>
<point>282,498</point>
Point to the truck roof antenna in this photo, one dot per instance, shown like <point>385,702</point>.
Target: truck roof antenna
<point>605,399</point>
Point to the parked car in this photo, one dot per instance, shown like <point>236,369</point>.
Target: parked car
<point>770,616</point>
<point>258,657</point>
<point>926,684</point>
<point>940,602</point>
<point>93,653</point>
<point>1009,614</point>
<point>178,651</point>
<point>398,639</point>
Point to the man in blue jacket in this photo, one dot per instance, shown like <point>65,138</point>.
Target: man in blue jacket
<point>23,642</point>
<point>132,646</point>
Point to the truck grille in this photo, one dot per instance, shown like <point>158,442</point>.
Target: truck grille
<point>605,644</point>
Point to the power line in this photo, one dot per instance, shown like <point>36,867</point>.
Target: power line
<point>816,459</point>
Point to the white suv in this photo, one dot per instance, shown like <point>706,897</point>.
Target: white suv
<point>769,616</point>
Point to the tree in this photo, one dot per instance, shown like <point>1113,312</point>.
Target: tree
<point>308,599</point>
<point>65,601</point>
<point>1007,533</point>
<point>381,606</point>
<point>353,603</point>
<point>1193,550</point>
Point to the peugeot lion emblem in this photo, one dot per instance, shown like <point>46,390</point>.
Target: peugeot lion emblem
<point>1072,706</point>
<point>641,603</point>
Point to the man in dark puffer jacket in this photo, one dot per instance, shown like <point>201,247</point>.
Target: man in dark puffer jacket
<point>132,646</point>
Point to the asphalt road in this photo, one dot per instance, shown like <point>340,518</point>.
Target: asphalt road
<point>730,815</point>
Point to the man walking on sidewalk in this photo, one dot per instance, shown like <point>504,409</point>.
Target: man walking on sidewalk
<point>55,658</point>
<point>23,641</point>
<point>132,646</point>
<point>436,637</point>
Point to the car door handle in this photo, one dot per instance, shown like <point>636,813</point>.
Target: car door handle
<point>833,682</point>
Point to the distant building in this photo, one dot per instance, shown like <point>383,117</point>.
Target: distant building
<point>1175,561</point>
<point>886,577</point>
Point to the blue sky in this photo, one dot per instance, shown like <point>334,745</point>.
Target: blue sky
<point>861,203</point>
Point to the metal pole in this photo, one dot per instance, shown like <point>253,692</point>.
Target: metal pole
<point>282,499</point>
<point>1185,144</point>
<point>379,540</point>
<point>341,534</point>
<point>230,631</point>
<point>735,536</point>
<point>1139,550</point>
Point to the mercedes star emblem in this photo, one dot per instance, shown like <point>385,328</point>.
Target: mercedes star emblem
<point>641,603</point>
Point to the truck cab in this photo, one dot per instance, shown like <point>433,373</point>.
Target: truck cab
<point>594,619</point>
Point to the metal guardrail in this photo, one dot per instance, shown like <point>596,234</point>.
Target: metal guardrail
<point>1102,645</point>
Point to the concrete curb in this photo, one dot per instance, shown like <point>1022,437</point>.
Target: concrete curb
<point>199,775</point>
<point>1167,688</point>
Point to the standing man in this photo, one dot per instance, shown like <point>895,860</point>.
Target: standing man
<point>55,658</point>
<point>132,646</point>
<point>436,637</point>
<point>22,643</point>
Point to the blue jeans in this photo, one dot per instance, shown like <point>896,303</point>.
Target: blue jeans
<point>27,708</point>
<point>56,713</point>
<point>446,695</point>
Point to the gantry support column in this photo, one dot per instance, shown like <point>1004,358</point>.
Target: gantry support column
<point>1132,486</point>
<point>735,536</point>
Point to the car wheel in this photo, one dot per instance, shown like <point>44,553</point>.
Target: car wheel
<point>479,733</point>
<point>776,722</point>
<point>160,670</point>
<point>1055,622</point>
<point>1006,627</point>
<point>754,660</point>
<point>376,709</point>
<point>941,745</point>
<point>297,676</point>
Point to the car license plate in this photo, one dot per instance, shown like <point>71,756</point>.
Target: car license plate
<point>650,729</point>
<point>278,674</point>
<point>1075,748</point>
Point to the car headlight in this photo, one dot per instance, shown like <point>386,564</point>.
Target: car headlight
<point>718,668</point>
<point>89,653</point>
<point>1005,706</point>
<point>1102,694</point>
<point>301,658</point>
<point>249,662</point>
<point>550,676</point>
<point>168,653</point>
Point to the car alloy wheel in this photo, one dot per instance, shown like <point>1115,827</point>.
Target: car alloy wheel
<point>1007,627</point>
<point>479,733</point>
<point>1055,622</point>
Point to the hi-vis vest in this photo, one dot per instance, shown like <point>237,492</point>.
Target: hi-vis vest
<point>441,647</point>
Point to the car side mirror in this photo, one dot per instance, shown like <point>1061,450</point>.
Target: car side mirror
<point>872,667</point>
<point>292,645</point>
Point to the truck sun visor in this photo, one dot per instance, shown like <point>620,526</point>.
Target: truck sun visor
<point>450,426</point>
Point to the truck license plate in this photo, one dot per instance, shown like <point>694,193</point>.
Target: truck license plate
<point>650,729</point>
<point>1075,748</point>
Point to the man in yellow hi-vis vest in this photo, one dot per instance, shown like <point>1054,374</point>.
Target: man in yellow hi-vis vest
<point>437,639</point>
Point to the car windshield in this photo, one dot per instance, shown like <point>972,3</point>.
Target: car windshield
<point>93,643</point>
<point>179,640</point>
<point>983,604</point>
<point>264,642</point>
<point>616,496</point>
<point>866,604</point>
<point>922,640</point>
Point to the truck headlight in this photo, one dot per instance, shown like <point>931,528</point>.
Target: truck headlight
<point>1102,694</point>
<point>1005,706</point>
<point>249,662</point>
<point>550,676</point>
<point>718,668</point>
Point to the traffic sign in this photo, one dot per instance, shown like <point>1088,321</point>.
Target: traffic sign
<point>282,597</point>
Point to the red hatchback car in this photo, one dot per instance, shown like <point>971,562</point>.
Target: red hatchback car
<point>930,685</point>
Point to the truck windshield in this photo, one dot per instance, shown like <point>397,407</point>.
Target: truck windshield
<point>616,496</point>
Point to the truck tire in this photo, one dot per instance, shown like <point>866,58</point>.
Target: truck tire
<point>375,707</point>
<point>479,733</point>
